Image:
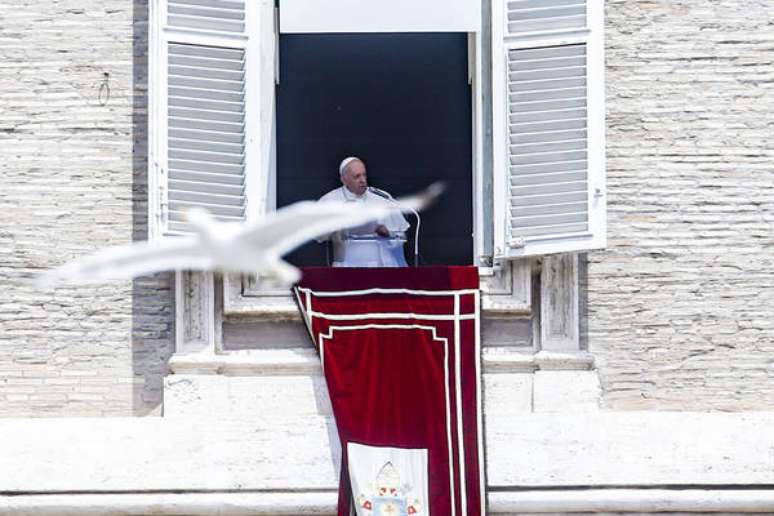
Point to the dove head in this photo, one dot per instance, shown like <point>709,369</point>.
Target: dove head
<point>435,190</point>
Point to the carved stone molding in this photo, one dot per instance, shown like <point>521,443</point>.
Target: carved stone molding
<point>559,315</point>
<point>198,317</point>
<point>246,296</point>
<point>506,290</point>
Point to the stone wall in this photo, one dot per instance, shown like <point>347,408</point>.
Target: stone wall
<point>680,304</point>
<point>73,179</point>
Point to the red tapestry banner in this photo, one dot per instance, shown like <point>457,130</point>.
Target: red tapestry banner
<point>400,351</point>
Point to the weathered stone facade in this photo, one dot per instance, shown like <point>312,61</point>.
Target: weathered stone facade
<point>73,163</point>
<point>676,311</point>
<point>680,304</point>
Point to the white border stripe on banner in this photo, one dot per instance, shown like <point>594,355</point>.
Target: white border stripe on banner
<point>458,387</point>
<point>321,346</point>
<point>334,293</point>
<point>394,315</point>
<point>305,308</point>
<point>479,405</point>
<point>457,384</point>
<point>448,429</point>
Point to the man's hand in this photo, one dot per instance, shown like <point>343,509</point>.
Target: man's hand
<point>382,230</point>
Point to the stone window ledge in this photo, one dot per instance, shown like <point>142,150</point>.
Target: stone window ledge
<point>715,499</point>
<point>506,291</point>
<point>290,362</point>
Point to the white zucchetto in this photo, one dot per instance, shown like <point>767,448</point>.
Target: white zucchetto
<point>345,162</point>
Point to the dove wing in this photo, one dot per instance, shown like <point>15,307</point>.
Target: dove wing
<point>290,227</point>
<point>132,260</point>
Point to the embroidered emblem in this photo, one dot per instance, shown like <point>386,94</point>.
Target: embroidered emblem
<point>388,497</point>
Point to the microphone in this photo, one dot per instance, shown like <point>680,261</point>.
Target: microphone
<point>385,195</point>
<point>380,193</point>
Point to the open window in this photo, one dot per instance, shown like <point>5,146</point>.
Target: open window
<point>537,179</point>
<point>223,134</point>
<point>402,103</point>
<point>388,82</point>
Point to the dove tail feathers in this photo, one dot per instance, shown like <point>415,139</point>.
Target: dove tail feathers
<point>286,273</point>
<point>423,199</point>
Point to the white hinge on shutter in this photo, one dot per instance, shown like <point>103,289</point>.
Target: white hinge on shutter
<point>203,63</point>
<point>549,127</point>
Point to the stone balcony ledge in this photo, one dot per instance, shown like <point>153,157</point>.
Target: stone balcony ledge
<point>304,361</point>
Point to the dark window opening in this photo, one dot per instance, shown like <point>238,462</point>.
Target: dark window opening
<point>402,103</point>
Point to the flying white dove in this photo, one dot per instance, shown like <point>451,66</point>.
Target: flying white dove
<point>248,248</point>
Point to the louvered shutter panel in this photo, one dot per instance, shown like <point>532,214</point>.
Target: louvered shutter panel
<point>202,109</point>
<point>548,126</point>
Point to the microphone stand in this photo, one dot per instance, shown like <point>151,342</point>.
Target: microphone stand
<point>386,195</point>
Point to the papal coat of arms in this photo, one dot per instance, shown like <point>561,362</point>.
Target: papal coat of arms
<point>388,497</point>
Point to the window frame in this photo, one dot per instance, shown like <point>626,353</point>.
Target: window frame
<point>244,296</point>
<point>505,283</point>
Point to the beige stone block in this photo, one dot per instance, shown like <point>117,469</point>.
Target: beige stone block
<point>247,395</point>
<point>507,393</point>
<point>566,391</point>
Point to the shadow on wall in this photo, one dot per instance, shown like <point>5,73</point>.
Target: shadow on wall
<point>152,296</point>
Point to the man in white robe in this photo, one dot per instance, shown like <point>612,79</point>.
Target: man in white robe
<point>377,244</point>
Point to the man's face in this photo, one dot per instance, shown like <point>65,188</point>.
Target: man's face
<point>354,178</point>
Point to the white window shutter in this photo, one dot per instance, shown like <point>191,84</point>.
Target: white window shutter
<point>548,126</point>
<point>200,110</point>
